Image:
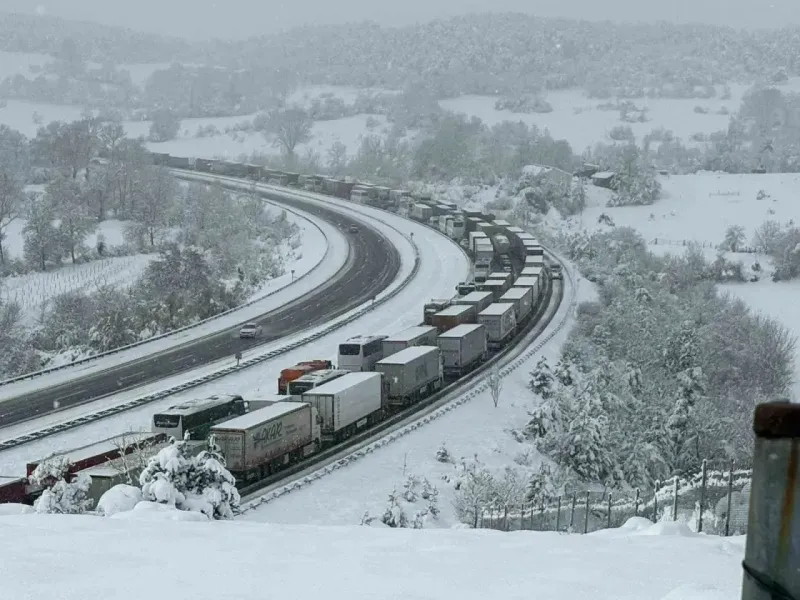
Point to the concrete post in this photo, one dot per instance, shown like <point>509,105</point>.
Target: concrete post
<point>772,555</point>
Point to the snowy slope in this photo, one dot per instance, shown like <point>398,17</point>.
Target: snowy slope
<point>322,253</point>
<point>442,267</point>
<point>117,558</point>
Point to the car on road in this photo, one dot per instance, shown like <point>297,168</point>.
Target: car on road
<point>353,228</point>
<point>555,270</point>
<point>250,330</point>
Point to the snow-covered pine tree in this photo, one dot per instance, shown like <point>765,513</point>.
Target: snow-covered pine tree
<point>200,483</point>
<point>540,485</point>
<point>681,348</point>
<point>443,454</point>
<point>59,496</point>
<point>542,380</point>
<point>682,427</point>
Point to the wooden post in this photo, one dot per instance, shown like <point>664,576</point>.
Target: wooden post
<point>608,521</point>
<point>541,516</point>
<point>772,555</point>
<point>586,516</point>
<point>558,515</point>
<point>636,504</point>
<point>730,499</point>
<point>703,483</point>
<point>655,502</point>
<point>675,499</point>
<point>522,519</point>
<point>572,514</point>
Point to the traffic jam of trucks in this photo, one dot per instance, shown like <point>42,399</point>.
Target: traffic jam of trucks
<point>320,404</point>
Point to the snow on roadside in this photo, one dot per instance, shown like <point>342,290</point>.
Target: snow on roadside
<point>367,563</point>
<point>445,266</point>
<point>323,251</point>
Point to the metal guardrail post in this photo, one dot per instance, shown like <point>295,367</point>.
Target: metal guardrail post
<point>772,555</point>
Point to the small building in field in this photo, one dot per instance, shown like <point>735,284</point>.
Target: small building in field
<point>605,179</point>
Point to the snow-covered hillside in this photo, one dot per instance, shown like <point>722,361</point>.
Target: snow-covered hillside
<point>95,557</point>
<point>699,208</point>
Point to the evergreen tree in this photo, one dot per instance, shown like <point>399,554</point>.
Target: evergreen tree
<point>41,236</point>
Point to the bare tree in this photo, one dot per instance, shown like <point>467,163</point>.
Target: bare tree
<point>287,128</point>
<point>158,193</point>
<point>495,383</point>
<point>136,459</point>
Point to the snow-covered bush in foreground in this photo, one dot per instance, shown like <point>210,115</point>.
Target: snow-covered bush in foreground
<point>59,496</point>
<point>197,483</point>
<point>120,498</point>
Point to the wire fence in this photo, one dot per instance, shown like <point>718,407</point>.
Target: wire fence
<point>702,244</point>
<point>714,501</point>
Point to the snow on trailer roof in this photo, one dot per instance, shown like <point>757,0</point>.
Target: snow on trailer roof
<point>108,445</point>
<point>411,333</point>
<point>495,309</point>
<point>514,294</point>
<point>526,282</point>
<point>454,310</point>
<point>321,374</point>
<point>407,355</point>
<point>341,383</point>
<point>262,415</point>
<point>461,330</point>
<point>474,297</point>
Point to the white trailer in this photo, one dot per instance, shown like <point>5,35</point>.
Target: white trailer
<point>500,322</point>
<point>522,299</point>
<point>474,238</point>
<point>421,335</point>
<point>347,404</point>
<point>494,286</point>
<point>532,272</point>
<point>484,250</point>
<point>479,300</point>
<point>528,282</point>
<point>411,374</point>
<point>534,261</point>
<point>462,349</point>
<point>261,442</point>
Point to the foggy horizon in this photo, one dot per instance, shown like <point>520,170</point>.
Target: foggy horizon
<point>239,19</point>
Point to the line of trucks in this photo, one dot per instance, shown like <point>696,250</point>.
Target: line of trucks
<point>318,405</point>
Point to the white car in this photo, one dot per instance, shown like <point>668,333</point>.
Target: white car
<point>250,330</point>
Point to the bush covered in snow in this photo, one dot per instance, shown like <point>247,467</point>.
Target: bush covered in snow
<point>660,373</point>
<point>410,508</point>
<point>59,496</point>
<point>197,483</point>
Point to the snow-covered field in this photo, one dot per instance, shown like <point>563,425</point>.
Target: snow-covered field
<point>158,546</point>
<point>577,119</point>
<point>699,208</point>
<point>445,266</point>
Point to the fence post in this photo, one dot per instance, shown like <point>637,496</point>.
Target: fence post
<point>772,554</point>
<point>655,502</point>
<point>541,516</point>
<point>522,519</point>
<point>636,504</point>
<point>608,521</point>
<point>572,514</point>
<point>505,517</point>
<point>558,515</point>
<point>586,515</point>
<point>702,496</point>
<point>675,499</point>
<point>730,498</point>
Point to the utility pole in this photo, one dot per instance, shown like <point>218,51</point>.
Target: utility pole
<point>772,556</point>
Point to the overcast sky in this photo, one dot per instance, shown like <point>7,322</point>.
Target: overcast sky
<point>243,18</point>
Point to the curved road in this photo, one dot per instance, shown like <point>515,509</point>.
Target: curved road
<point>373,264</point>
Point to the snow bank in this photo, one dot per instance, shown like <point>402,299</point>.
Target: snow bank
<point>252,561</point>
<point>120,498</point>
<point>153,511</point>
